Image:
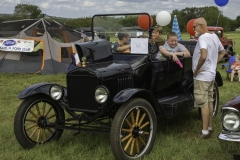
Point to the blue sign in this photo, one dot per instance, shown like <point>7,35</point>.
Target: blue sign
<point>9,43</point>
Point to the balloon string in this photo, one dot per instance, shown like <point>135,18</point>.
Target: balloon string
<point>218,17</point>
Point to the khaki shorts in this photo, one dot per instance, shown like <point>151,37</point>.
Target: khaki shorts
<point>203,93</point>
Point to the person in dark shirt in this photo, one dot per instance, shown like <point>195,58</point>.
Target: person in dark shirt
<point>122,45</point>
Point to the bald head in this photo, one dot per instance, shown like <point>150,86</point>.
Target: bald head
<point>201,21</point>
<point>200,26</point>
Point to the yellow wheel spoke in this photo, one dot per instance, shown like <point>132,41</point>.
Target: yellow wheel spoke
<point>34,132</point>
<point>128,143</point>
<point>146,133</point>
<point>44,105</point>
<point>144,125</point>
<point>33,114</point>
<point>140,122</point>
<point>38,135</point>
<point>31,120</point>
<point>125,138</point>
<point>44,134</point>
<point>48,111</point>
<point>140,138</point>
<point>30,127</point>
<point>132,147</point>
<point>52,116</point>
<point>37,107</point>
<point>137,146</point>
<point>132,117</point>
<point>128,123</point>
<point>126,130</point>
<point>137,117</point>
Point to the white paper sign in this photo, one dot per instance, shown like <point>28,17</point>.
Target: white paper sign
<point>139,45</point>
<point>16,45</point>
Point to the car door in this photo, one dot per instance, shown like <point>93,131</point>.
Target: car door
<point>166,74</point>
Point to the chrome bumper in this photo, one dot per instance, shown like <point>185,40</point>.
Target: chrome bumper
<point>230,143</point>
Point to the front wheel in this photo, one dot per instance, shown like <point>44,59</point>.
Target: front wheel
<point>133,130</point>
<point>32,118</point>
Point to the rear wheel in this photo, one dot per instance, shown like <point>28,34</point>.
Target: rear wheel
<point>215,99</point>
<point>32,118</point>
<point>133,130</point>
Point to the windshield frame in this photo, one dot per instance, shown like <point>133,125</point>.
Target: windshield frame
<point>96,19</point>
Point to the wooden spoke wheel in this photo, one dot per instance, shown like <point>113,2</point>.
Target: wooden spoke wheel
<point>32,118</point>
<point>133,130</point>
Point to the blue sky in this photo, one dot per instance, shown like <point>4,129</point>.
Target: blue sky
<point>87,8</point>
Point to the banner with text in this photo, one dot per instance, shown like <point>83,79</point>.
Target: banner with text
<point>16,45</point>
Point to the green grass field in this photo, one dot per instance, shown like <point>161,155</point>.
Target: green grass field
<point>176,138</point>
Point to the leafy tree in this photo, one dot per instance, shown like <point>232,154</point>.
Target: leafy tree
<point>27,11</point>
<point>79,22</point>
<point>238,21</point>
<point>212,15</point>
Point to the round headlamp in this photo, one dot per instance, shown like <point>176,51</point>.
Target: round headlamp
<point>56,92</point>
<point>231,121</point>
<point>101,94</point>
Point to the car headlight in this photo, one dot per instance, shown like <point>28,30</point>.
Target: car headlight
<point>101,94</point>
<point>231,121</point>
<point>56,92</point>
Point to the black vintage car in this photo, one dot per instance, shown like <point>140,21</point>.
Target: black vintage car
<point>229,138</point>
<point>115,93</point>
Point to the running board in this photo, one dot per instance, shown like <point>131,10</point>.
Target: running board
<point>175,105</point>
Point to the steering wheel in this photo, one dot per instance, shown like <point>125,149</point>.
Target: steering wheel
<point>153,48</point>
<point>155,43</point>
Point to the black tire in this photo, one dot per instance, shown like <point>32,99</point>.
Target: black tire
<point>31,116</point>
<point>125,130</point>
<point>236,157</point>
<point>215,101</point>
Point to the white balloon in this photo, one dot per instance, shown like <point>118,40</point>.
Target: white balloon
<point>163,18</point>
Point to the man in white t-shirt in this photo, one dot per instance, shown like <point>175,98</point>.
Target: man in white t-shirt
<point>208,52</point>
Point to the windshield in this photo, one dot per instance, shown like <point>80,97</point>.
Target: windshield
<point>114,26</point>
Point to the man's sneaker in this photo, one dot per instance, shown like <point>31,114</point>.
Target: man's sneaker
<point>204,136</point>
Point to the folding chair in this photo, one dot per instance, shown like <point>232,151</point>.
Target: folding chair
<point>227,67</point>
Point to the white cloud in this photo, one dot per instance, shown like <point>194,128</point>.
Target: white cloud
<point>88,4</point>
<point>45,5</point>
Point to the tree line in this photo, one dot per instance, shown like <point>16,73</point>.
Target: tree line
<point>212,14</point>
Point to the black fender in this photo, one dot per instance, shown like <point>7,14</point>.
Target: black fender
<point>218,79</point>
<point>37,88</point>
<point>127,94</point>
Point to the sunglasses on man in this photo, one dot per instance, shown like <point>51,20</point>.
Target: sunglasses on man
<point>196,26</point>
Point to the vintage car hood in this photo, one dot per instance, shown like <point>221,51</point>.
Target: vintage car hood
<point>106,70</point>
<point>235,103</point>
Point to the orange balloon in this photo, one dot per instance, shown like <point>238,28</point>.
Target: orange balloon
<point>190,27</point>
<point>143,22</point>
